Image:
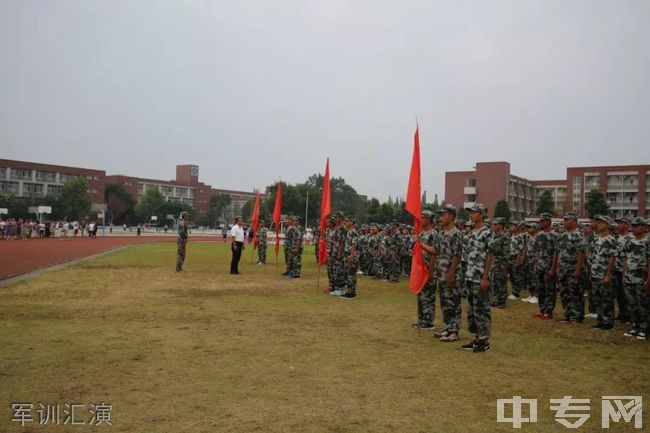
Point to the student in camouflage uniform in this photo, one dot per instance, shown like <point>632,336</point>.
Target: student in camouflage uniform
<point>571,259</point>
<point>448,247</point>
<point>636,263</point>
<point>338,243</point>
<point>288,244</point>
<point>532,230</point>
<point>463,228</point>
<point>295,256</point>
<point>181,243</point>
<point>479,264</point>
<point>351,258</point>
<point>262,232</point>
<point>590,238</point>
<point>517,259</point>
<point>500,246</point>
<point>316,233</point>
<point>395,243</point>
<point>427,296</point>
<point>623,237</point>
<point>329,247</point>
<point>407,251</point>
<point>546,252</point>
<point>384,255</point>
<point>603,262</point>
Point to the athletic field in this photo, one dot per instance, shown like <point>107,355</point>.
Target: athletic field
<point>204,351</point>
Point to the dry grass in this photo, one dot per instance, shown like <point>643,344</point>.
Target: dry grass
<point>205,351</point>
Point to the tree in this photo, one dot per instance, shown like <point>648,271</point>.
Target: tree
<point>545,202</point>
<point>595,203</point>
<point>502,210</point>
<point>120,203</point>
<point>75,198</point>
<point>218,203</point>
<point>149,204</point>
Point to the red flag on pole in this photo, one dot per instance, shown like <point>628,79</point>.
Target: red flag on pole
<point>256,220</point>
<point>325,210</point>
<point>419,270</point>
<point>277,211</point>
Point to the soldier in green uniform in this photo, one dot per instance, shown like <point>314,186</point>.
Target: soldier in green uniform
<point>571,258</point>
<point>395,244</point>
<point>500,246</point>
<point>338,243</point>
<point>636,264</point>
<point>262,232</point>
<point>603,262</point>
<point>479,264</point>
<point>181,243</point>
<point>622,238</point>
<point>329,245</point>
<point>532,230</point>
<point>288,245</point>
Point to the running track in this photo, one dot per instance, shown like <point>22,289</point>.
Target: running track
<point>20,257</point>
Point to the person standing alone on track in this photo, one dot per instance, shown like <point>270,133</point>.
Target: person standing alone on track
<point>237,234</point>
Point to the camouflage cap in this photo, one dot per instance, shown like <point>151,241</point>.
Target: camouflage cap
<point>487,221</point>
<point>532,224</point>
<point>570,216</point>
<point>461,222</point>
<point>338,214</point>
<point>476,208</point>
<point>622,220</point>
<point>638,221</point>
<point>499,220</point>
<point>331,219</point>
<point>427,214</point>
<point>605,219</point>
<point>544,216</point>
<point>448,208</point>
<point>184,214</point>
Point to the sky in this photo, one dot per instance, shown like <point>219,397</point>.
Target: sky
<point>255,91</point>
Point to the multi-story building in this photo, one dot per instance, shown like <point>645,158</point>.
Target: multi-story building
<point>31,179</point>
<point>489,183</point>
<point>626,189</point>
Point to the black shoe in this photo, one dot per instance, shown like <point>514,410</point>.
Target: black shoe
<point>500,306</point>
<point>596,326</point>
<point>285,273</point>
<point>424,326</point>
<point>564,320</point>
<point>605,327</point>
<point>482,347</point>
<point>348,296</point>
<point>295,276</point>
<point>469,346</point>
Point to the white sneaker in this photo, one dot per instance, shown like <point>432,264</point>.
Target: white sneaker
<point>526,299</point>
<point>513,297</point>
<point>592,316</point>
<point>641,336</point>
<point>359,272</point>
<point>533,300</point>
<point>336,293</point>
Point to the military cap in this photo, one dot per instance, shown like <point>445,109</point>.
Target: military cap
<point>544,216</point>
<point>532,224</point>
<point>427,214</point>
<point>638,221</point>
<point>604,218</point>
<point>296,218</point>
<point>570,216</point>
<point>394,222</point>
<point>461,222</point>
<point>622,220</point>
<point>338,214</point>
<point>331,219</point>
<point>183,214</point>
<point>449,208</point>
<point>499,220</point>
<point>470,224</point>
<point>476,208</point>
<point>487,221</point>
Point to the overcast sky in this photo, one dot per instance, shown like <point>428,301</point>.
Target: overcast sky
<point>252,91</point>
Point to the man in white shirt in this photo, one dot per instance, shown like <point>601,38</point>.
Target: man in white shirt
<point>237,234</point>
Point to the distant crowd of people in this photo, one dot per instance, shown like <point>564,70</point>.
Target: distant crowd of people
<point>24,229</point>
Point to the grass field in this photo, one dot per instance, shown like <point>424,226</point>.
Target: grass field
<point>204,351</point>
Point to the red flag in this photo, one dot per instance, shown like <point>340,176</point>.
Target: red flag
<point>419,270</point>
<point>256,220</point>
<point>276,217</point>
<point>325,204</point>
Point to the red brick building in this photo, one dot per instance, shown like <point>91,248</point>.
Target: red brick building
<point>626,188</point>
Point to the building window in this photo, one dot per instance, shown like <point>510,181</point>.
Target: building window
<point>32,189</point>
<point>8,187</point>
<point>64,177</point>
<point>53,189</point>
<point>17,173</point>
<point>3,172</point>
<point>45,176</point>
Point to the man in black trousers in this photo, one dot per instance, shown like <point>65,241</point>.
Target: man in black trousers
<point>237,234</point>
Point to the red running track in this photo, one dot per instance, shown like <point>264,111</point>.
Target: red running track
<point>21,256</point>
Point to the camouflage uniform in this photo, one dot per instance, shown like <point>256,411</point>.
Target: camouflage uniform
<point>181,245</point>
<point>427,296</point>
<point>478,312</point>
<point>517,273</point>
<point>350,270</point>
<point>593,304</point>
<point>617,278</point>
<point>546,246</point>
<point>288,247</point>
<point>500,246</point>
<point>604,248</point>
<point>463,263</point>
<point>338,269</point>
<point>637,255</point>
<point>407,254</point>
<point>329,247</point>
<point>571,245</point>
<point>296,252</point>
<point>394,251</point>
<point>449,244</point>
<point>531,275</point>
<point>261,244</point>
